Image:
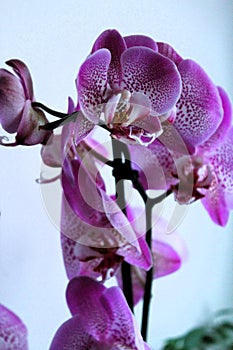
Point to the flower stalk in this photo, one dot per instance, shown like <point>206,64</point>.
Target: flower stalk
<point>120,154</point>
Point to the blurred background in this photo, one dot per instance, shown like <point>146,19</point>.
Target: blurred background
<point>53,38</point>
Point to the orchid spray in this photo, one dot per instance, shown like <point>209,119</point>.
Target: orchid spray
<point>147,124</point>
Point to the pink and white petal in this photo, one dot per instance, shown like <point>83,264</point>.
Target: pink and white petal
<point>123,330</point>
<point>215,204</point>
<point>199,109</point>
<point>79,291</point>
<point>29,132</point>
<point>51,153</point>
<point>94,237</point>
<point>154,164</point>
<point>82,127</point>
<point>92,83</point>
<point>168,51</point>
<point>151,128</point>
<point>23,73</point>
<point>118,220</point>
<point>173,140</point>
<point>166,259</point>
<point>222,162</point>
<point>13,332</point>
<point>110,108</point>
<point>152,74</point>
<point>12,101</point>
<point>113,41</point>
<point>80,260</point>
<point>73,334</point>
<point>82,193</point>
<point>140,115</point>
<point>83,297</point>
<point>217,138</point>
<point>141,40</point>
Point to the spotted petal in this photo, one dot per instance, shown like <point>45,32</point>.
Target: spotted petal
<point>152,74</point>
<point>113,41</point>
<point>92,83</point>
<point>215,204</point>
<point>13,333</point>
<point>168,51</point>
<point>222,162</point>
<point>141,40</point>
<point>210,144</point>
<point>82,193</point>
<point>12,101</point>
<point>102,312</point>
<point>23,73</point>
<point>154,164</point>
<point>199,109</point>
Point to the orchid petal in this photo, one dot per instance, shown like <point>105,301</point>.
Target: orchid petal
<point>88,250</point>
<point>81,289</point>
<point>13,333</point>
<point>81,260</point>
<point>82,127</point>
<point>140,114</point>
<point>96,251</point>
<point>222,162</point>
<point>82,193</point>
<point>23,73</point>
<point>140,40</point>
<point>223,128</point>
<point>152,74</point>
<point>29,132</point>
<point>106,307</point>
<point>12,101</point>
<point>51,153</point>
<point>172,139</point>
<point>199,109</point>
<point>73,334</point>
<point>166,261</point>
<point>118,220</point>
<point>168,51</point>
<point>215,204</point>
<point>113,41</point>
<point>125,332</point>
<point>154,164</point>
<point>92,83</point>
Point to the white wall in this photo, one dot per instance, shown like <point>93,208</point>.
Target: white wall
<point>53,38</point>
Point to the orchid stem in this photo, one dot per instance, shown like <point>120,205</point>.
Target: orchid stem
<point>149,274</point>
<point>48,110</point>
<point>120,155</point>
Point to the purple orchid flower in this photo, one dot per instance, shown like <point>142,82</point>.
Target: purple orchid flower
<point>98,251</point>
<point>13,333</point>
<point>128,81</point>
<point>144,89</point>
<point>205,175</point>
<point>16,112</point>
<point>101,319</point>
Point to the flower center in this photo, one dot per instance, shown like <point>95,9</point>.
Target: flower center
<point>123,108</point>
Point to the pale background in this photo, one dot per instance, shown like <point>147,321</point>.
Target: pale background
<point>53,38</point>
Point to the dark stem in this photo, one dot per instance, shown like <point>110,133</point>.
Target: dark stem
<point>149,274</point>
<point>48,110</point>
<point>53,125</point>
<point>120,155</point>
